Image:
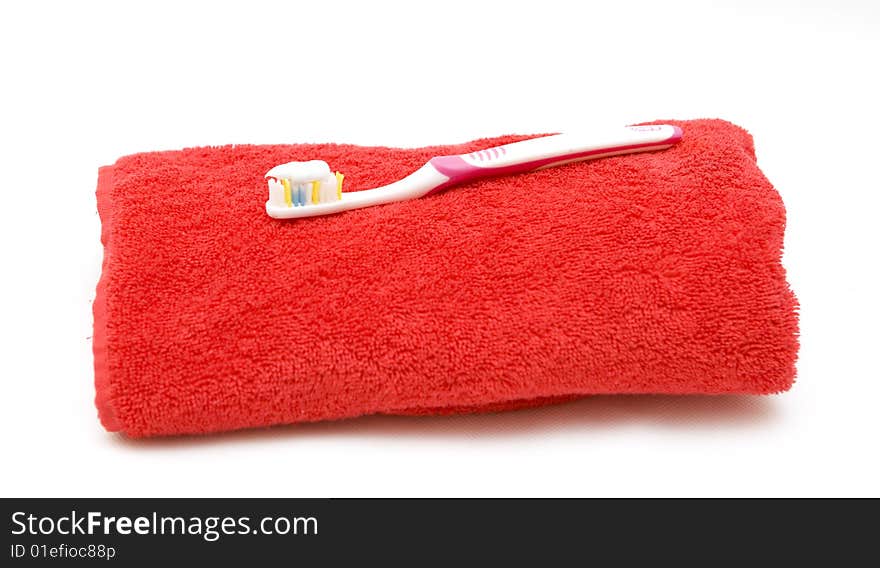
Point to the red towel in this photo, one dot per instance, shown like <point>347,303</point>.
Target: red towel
<point>647,273</point>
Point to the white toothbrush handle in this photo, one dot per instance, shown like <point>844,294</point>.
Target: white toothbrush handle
<point>554,150</point>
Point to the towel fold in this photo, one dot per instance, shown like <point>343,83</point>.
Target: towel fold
<point>646,273</point>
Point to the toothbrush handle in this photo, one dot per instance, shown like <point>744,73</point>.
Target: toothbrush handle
<point>550,151</point>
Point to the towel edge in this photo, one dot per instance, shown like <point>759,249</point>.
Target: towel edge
<point>103,389</point>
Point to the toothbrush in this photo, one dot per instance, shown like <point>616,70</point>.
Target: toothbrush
<point>307,189</point>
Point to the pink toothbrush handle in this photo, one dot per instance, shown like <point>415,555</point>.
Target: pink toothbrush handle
<point>550,151</point>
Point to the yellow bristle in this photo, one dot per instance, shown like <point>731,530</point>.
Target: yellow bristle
<point>339,178</point>
<point>286,184</point>
<point>315,191</point>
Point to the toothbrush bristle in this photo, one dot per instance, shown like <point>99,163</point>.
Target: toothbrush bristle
<point>302,193</point>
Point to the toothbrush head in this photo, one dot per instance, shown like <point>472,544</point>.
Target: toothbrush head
<point>301,184</point>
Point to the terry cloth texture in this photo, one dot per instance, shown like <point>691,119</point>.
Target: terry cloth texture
<point>647,273</point>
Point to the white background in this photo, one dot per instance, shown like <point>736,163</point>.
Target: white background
<point>84,83</point>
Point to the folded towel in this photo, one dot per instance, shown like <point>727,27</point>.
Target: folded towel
<point>646,273</point>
